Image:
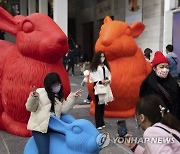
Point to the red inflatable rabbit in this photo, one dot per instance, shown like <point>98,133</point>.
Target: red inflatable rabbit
<point>40,45</point>
<point>128,65</point>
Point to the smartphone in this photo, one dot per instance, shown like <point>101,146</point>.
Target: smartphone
<point>122,129</point>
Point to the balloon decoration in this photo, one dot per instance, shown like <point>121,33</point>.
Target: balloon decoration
<point>127,63</point>
<point>40,45</point>
<point>70,136</point>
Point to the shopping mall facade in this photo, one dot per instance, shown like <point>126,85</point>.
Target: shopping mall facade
<point>81,19</point>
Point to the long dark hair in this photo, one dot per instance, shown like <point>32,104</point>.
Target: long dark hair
<point>150,106</point>
<point>147,53</point>
<point>97,61</point>
<point>49,80</point>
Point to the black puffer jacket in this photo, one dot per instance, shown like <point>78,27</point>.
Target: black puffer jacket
<point>150,86</point>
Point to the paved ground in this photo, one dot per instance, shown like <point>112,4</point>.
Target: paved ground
<point>10,144</point>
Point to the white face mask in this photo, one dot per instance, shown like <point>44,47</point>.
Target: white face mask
<point>102,59</point>
<point>162,72</point>
<point>56,89</point>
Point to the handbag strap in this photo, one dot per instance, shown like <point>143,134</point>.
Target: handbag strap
<point>166,94</point>
<point>174,135</point>
<point>174,60</point>
<point>104,72</point>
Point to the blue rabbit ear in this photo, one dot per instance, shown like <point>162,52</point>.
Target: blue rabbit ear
<point>58,125</point>
<point>67,118</point>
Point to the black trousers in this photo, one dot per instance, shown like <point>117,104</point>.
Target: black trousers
<point>99,113</point>
<point>71,66</point>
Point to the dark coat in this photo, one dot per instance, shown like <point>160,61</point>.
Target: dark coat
<point>150,86</point>
<point>71,57</point>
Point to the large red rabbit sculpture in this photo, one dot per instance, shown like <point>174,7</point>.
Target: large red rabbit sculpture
<point>127,63</point>
<point>40,45</point>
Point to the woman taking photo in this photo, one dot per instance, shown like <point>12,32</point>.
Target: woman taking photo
<point>100,76</point>
<point>162,131</point>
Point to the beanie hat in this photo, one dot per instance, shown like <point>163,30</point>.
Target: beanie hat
<point>159,58</point>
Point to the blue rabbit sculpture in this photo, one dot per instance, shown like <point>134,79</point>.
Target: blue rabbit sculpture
<point>71,136</point>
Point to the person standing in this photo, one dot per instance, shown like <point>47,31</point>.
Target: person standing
<point>83,59</point>
<point>173,61</point>
<point>85,81</point>
<point>160,82</point>
<point>77,51</point>
<point>71,59</point>
<point>43,102</point>
<point>147,54</point>
<point>100,75</point>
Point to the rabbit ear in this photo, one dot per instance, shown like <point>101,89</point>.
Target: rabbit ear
<point>107,19</point>
<point>57,125</point>
<point>67,118</point>
<point>8,23</point>
<point>137,28</point>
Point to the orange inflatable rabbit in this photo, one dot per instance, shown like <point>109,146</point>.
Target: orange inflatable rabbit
<point>40,44</point>
<point>128,65</point>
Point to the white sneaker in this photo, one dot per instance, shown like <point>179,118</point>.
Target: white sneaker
<point>99,128</point>
<point>103,126</point>
<point>87,101</point>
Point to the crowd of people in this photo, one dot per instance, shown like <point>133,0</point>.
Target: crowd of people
<point>157,110</point>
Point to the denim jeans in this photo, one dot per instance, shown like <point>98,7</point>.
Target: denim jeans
<point>42,141</point>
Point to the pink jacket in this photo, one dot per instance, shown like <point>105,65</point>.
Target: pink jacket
<point>173,147</point>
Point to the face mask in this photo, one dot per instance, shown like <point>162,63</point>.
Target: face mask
<point>162,72</point>
<point>56,89</point>
<point>102,59</point>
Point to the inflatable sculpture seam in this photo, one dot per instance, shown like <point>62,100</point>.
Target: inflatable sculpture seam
<point>40,45</point>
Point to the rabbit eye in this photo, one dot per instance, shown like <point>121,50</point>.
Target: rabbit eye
<point>27,27</point>
<point>76,130</point>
